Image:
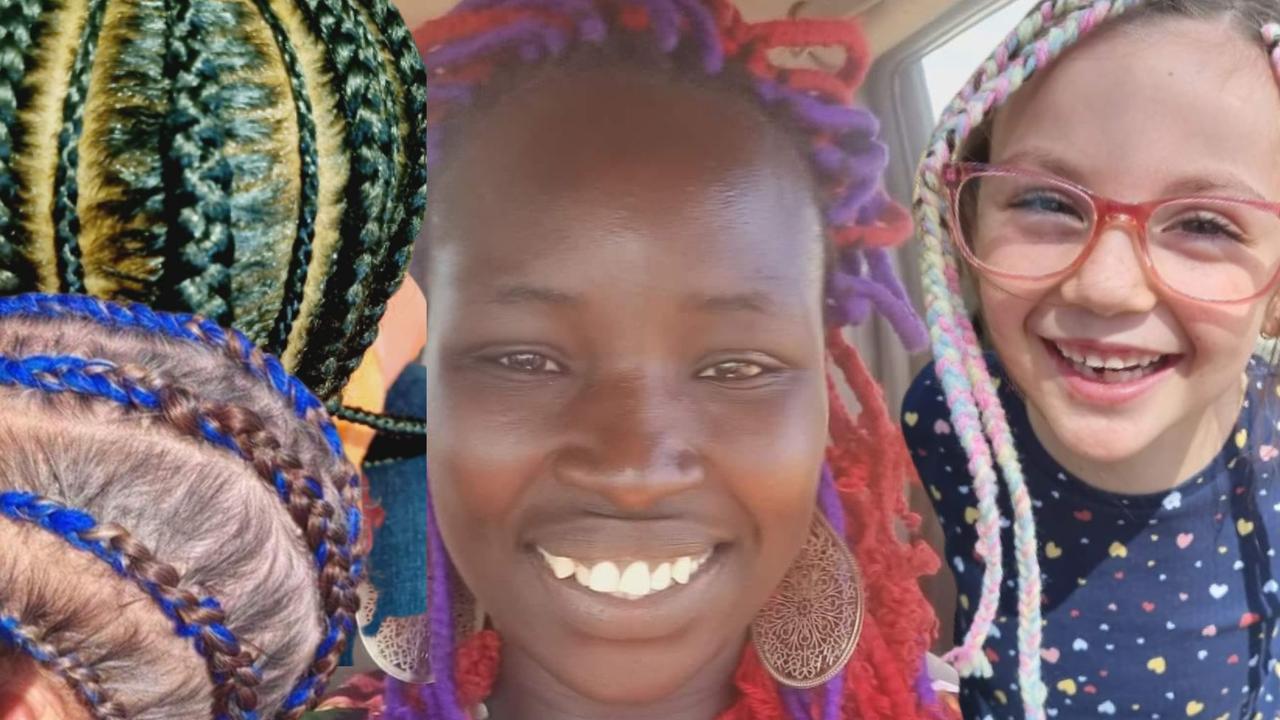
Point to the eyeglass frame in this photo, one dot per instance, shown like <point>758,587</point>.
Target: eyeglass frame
<point>1106,211</point>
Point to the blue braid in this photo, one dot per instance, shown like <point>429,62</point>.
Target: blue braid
<point>78,528</point>
<point>103,379</point>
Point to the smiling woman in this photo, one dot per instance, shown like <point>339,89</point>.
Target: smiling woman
<point>643,243</point>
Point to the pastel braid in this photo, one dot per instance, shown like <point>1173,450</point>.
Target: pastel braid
<point>976,413</point>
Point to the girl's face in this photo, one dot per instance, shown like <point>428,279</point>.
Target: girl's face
<point>627,399</point>
<point>1169,108</point>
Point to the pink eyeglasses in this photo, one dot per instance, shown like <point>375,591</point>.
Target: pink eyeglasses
<point>1031,227</point>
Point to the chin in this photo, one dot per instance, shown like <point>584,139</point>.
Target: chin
<point>641,677</point>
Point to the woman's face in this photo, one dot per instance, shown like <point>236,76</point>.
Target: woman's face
<point>1170,108</point>
<point>627,394</point>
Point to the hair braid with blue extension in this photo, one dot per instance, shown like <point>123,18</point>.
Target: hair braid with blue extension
<point>235,429</point>
<point>232,667</point>
<point>82,679</point>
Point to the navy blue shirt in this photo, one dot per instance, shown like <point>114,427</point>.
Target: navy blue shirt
<point>1156,606</point>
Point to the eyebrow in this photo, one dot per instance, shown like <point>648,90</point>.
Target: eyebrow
<point>756,303</point>
<point>1199,183</point>
<point>532,294</point>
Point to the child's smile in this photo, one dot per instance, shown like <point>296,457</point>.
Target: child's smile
<point>1129,385</point>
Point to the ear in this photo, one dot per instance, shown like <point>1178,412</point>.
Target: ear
<point>1271,321</point>
<point>28,694</point>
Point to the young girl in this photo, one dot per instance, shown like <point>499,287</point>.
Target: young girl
<point>177,520</point>
<point>1107,186</point>
<point>644,240</point>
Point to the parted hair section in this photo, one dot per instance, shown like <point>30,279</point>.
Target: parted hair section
<point>258,162</point>
<point>194,471</point>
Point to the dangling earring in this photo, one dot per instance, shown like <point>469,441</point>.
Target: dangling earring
<point>402,645</point>
<point>808,630</point>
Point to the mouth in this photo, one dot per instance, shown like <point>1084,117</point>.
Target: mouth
<point>1109,375</point>
<point>1111,367</point>
<point>626,578</point>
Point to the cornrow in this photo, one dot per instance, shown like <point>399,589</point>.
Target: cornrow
<point>82,679</point>
<point>1048,30</point>
<point>474,55</point>
<point>231,666</point>
<point>237,430</point>
<point>15,270</point>
<point>186,171</point>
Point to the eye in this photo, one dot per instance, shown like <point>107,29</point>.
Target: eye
<point>1206,226</point>
<point>732,370</point>
<point>1046,201</point>
<point>531,363</point>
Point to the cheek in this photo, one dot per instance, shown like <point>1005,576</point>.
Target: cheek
<point>1005,317</point>
<point>1221,335</point>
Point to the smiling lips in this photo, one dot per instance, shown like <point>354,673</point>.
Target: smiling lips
<point>631,580</point>
<point>1110,366</point>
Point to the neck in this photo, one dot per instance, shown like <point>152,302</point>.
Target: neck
<point>1165,463</point>
<point>527,691</point>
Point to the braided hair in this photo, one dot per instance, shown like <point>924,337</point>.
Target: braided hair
<point>1048,31</point>
<point>170,473</point>
<point>258,163</point>
<point>485,49</point>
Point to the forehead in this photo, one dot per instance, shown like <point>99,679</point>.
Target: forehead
<point>684,175</point>
<point>1138,103</point>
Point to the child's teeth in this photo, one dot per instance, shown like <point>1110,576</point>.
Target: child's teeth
<point>1115,363</point>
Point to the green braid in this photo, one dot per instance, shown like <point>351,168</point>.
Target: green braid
<point>65,217</point>
<point>351,61</point>
<point>15,270</point>
<point>198,140</point>
<point>309,159</point>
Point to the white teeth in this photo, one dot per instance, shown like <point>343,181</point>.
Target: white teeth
<point>681,570</point>
<point>604,577</point>
<point>1116,363</point>
<point>561,567</point>
<point>660,579</point>
<point>635,580</point>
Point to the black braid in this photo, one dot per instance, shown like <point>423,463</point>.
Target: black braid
<point>309,158</point>
<point>383,423</point>
<point>16,271</point>
<point>67,190</point>
<point>350,58</point>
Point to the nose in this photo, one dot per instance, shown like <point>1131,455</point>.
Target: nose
<point>630,443</point>
<point>1112,280</point>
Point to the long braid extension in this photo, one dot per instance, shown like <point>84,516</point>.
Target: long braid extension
<point>66,219</point>
<point>16,271</point>
<point>976,412</point>
<point>385,424</point>
<point>364,105</point>
<point>243,433</point>
<point>232,666</point>
<point>83,679</point>
<point>199,250</point>
<point>309,179</point>
<point>410,200</point>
